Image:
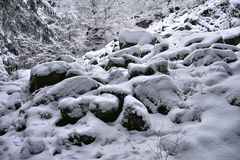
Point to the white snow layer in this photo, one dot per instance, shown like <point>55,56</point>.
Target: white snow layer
<point>192,110</point>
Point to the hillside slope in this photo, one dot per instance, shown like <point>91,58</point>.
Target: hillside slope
<point>166,92</point>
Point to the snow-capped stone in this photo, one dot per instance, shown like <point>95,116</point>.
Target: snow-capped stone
<point>231,36</point>
<point>32,147</point>
<point>130,38</point>
<point>46,74</point>
<point>208,56</point>
<point>158,94</point>
<point>200,40</point>
<point>66,58</point>
<point>135,115</point>
<point>135,70</point>
<point>71,87</point>
<point>105,107</point>
<point>79,139</point>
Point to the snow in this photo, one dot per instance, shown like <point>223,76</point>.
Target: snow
<point>82,104</point>
<point>140,37</point>
<point>3,72</point>
<point>183,92</point>
<point>49,67</point>
<point>74,87</point>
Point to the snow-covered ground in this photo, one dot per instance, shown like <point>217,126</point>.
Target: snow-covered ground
<point>151,100</point>
<point>167,92</point>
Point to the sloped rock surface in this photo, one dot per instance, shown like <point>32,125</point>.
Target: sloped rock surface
<point>47,74</point>
<point>135,115</point>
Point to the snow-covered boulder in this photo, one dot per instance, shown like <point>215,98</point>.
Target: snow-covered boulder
<point>134,50</point>
<point>130,38</point>
<point>137,51</point>
<point>135,70</point>
<point>32,147</point>
<point>208,56</point>
<point>105,107</point>
<point>135,115</point>
<point>159,66</point>
<point>47,74</point>
<point>3,129</point>
<point>71,111</point>
<point>231,36</point>
<point>80,139</point>
<point>158,48</point>
<point>229,89</point>
<point>20,124</point>
<point>225,47</point>
<point>187,115</point>
<point>66,58</point>
<point>200,40</point>
<point>158,94</point>
<point>117,75</point>
<point>71,87</point>
<point>116,62</point>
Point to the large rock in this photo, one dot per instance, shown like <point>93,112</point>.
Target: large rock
<point>231,36</point>
<point>130,38</point>
<point>71,111</point>
<point>158,94</point>
<point>47,74</point>
<point>135,115</point>
<point>66,58</point>
<point>135,70</point>
<point>105,107</point>
<point>32,147</point>
<point>71,87</point>
<point>208,56</point>
<point>80,139</point>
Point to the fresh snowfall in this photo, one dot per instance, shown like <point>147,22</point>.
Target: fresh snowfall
<point>120,80</point>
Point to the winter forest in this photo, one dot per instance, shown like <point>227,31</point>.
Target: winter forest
<point>119,79</point>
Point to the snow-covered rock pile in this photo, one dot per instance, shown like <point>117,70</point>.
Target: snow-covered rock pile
<point>129,99</point>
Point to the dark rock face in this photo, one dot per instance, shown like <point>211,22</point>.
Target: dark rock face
<point>232,41</point>
<point>51,79</point>
<point>78,139</point>
<point>134,121</point>
<point>20,125</point>
<point>70,87</point>
<point>126,45</point>
<point>139,70</point>
<point>107,116</point>
<point>105,107</point>
<point>68,116</point>
<point>144,23</point>
<point>3,130</point>
<point>130,38</point>
<point>134,115</point>
<point>47,74</point>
